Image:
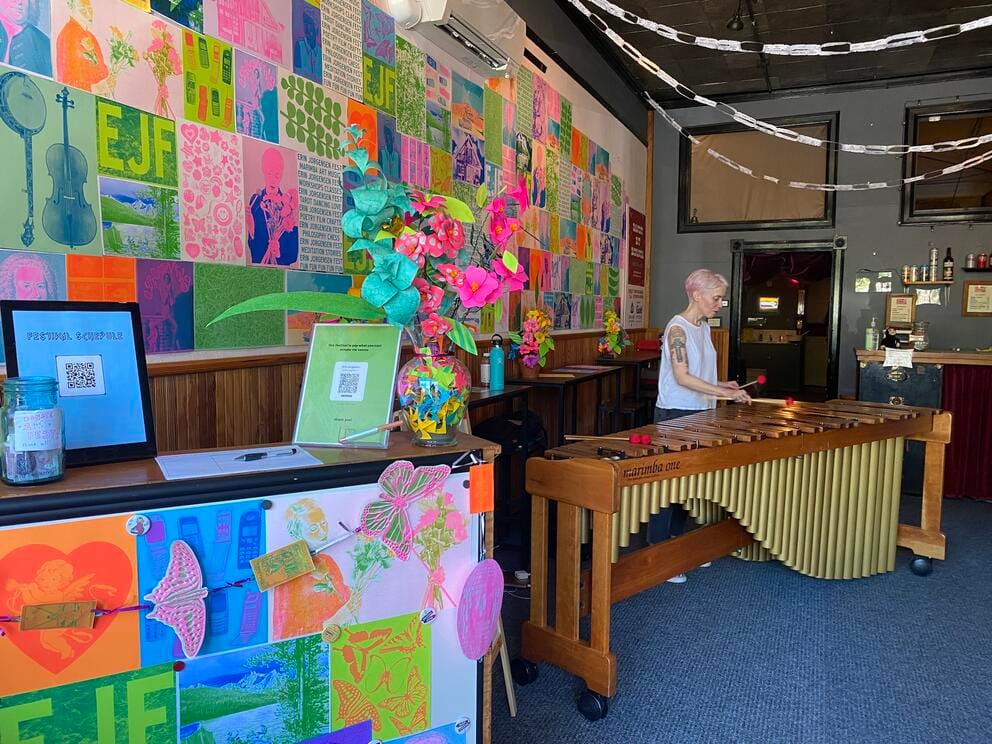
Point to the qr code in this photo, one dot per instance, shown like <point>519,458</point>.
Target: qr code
<point>348,381</point>
<point>348,384</point>
<point>80,375</point>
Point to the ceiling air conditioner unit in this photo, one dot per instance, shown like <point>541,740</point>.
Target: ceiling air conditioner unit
<point>486,35</point>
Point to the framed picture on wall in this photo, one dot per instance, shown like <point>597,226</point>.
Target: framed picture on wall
<point>976,299</point>
<point>96,353</point>
<point>900,310</point>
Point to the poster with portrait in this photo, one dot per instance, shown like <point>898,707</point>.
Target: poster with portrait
<point>272,204</point>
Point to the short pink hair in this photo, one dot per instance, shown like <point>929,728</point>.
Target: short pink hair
<point>703,280</point>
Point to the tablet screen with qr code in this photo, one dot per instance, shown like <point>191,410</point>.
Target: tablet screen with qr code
<point>348,385</point>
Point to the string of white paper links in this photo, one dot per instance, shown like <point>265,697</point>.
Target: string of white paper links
<point>868,186</point>
<point>833,48</point>
<point>783,133</point>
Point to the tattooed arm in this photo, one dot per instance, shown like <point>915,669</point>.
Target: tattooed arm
<point>680,368</point>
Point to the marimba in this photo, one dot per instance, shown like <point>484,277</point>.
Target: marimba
<point>813,485</point>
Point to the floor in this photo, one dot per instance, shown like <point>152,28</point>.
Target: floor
<point>747,652</point>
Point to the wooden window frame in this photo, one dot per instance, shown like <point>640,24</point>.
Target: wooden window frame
<point>830,119</point>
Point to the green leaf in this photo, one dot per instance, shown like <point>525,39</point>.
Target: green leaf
<point>403,306</point>
<point>458,209</point>
<point>369,200</point>
<point>510,261</point>
<point>329,303</point>
<point>550,342</point>
<point>516,338</point>
<point>480,196</point>
<point>383,235</point>
<point>353,223</point>
<point>461,336</point>
<point>499,310</point>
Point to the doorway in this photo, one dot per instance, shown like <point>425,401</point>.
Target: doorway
<point>785,316</point>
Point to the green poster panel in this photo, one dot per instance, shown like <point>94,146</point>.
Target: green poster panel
<point>216,287</point>
<point>138,706</point>
<point>136,145</point>
<point>48,146</point>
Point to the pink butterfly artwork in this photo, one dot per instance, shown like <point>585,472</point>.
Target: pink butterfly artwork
<point>178,598</point>
<point>402,484</point>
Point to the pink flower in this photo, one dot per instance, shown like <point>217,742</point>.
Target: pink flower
<point>449,499</point>
<point>422,202</point>
<point>531,325</point>
<point>451,274</point>
<point>513,281</point>
<point>502,228</point>
<point>456,524</point>
<point>479,286</point>
<point>434,326</point>
<point>497,207</point>
<point>520,194</point>
<point>449,234</point>
<point>410,245</point>
<point>430,296</point>
<point>427,518</point>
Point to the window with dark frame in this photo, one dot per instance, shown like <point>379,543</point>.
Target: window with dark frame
<point>965,196</point>
<point>714,197</point>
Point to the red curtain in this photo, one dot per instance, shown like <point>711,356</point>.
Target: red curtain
<point>968,465</point>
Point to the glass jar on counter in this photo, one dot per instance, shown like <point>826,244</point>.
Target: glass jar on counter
<point>33,431</point>
<point>919,336</point>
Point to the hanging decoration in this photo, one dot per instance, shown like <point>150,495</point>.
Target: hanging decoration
<point>867,186</point>
<point>178,599</point>
<point>739,116</point>
<point>830,49</point>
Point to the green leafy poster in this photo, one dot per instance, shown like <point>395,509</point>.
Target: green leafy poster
<point>216,287</point>
<point>411,92</point>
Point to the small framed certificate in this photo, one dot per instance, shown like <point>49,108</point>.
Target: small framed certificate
<point>976,300</point>
<point>900,310</point>
<point>348,385</point>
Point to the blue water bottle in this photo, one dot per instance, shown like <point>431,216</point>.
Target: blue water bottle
<point>497,364</point>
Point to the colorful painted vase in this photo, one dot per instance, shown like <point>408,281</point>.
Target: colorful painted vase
<point>433,390</point>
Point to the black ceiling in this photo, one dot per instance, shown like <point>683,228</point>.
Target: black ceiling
<point>733,76</point>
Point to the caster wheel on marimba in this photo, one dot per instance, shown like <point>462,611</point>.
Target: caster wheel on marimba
<point>524,672</point>
<point>921,565</point>
<point>593,706</point>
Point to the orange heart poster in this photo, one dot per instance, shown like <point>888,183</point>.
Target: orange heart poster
<point>92,559</point>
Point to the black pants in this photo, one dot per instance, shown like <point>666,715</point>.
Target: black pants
<point>670,521</point>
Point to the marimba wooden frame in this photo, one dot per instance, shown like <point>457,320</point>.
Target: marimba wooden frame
<point>595,484</point>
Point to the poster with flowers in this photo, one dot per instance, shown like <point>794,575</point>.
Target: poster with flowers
<point>113,50</point>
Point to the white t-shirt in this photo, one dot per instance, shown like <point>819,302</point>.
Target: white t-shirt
<point>702,364</point>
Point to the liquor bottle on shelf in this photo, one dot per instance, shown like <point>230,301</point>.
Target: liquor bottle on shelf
<point>871,336</point>
<point>948,266</point>
<point>934,265</point>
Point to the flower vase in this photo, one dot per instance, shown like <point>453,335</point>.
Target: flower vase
<point>433,390</point>
<point>529,373</point>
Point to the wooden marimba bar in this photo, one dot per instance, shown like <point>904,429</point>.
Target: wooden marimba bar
<point>813,485</point>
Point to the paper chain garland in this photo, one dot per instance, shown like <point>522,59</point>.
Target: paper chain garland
<point>739,116</point>
<point>830,49</point>
<point>867,186</point>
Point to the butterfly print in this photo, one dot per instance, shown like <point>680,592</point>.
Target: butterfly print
<point>402,484</point>
<point>353,706</point>
<point>178,599</point>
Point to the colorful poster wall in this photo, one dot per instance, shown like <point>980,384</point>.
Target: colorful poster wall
<point>212,132</point>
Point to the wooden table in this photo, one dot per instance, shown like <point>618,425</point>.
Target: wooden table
<point>566,380</point>
<point>638,360</point>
